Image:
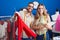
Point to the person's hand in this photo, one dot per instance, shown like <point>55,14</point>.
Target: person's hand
<point>40,27</point>
<point>48,26</point>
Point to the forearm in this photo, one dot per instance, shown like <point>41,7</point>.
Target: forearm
<point>35,28</point>
<point>48,27</point>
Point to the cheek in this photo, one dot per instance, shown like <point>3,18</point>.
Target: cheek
<point>41,11</point>
<point>30,9</point>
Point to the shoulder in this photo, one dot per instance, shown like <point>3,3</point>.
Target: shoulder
<point>23,10</point>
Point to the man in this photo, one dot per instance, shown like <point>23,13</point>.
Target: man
<point>28,18</point>
<point>26,15</point>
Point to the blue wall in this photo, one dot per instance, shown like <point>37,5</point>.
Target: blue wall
<point>7,7</point>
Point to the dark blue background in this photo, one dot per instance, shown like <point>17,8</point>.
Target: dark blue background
<point>7,7</point>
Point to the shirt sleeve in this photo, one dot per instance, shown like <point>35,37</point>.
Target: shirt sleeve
<point>21,14</point>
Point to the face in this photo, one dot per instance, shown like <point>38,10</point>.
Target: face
<point>30,7</point>
<point>41,9</point>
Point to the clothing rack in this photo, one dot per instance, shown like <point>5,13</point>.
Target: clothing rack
<point>4,16</point>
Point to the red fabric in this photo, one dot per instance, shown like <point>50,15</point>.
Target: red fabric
<point>17,24</point>
<point>28,31</point>
<point>23,26</point>
<point>14,30</point>
<point>1,22</point>
<point>8,30</point>
<point>8,26</point>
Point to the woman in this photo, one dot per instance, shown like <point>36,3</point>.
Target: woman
<point>41,23</point>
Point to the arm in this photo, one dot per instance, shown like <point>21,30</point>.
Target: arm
<point>34,26</point>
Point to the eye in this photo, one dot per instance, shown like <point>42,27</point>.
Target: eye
<point>30,6</point>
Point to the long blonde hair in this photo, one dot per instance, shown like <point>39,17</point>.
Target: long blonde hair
<point>44,11</point>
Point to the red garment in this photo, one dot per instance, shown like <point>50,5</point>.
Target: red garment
<point>22,26</point>
<point>8,26</point>
<point>8,30</point>
<point>14,30</point>
<point>1,22</point>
